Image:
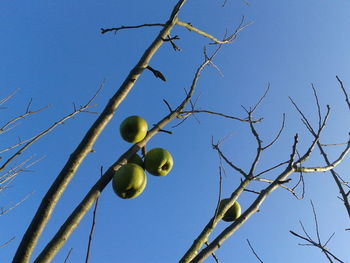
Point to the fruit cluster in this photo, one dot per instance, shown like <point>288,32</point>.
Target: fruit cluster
<point>130,180</point>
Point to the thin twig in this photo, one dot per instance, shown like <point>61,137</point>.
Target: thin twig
<point>226,40</point>
<point>92,226</point>
<point>213,254</point>
<point>115,29</point>
<point>256,255</point>
<point>7,242</point>
<point>6,126</point>
<point>67,257</point>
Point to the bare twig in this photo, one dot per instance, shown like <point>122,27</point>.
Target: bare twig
<point>185,114</point>
<point>67,257</point>
<point>8,126</point>
<point>216,147</point>
<point>278,134</point>
<point>227,40</point>
<point>318,243</point>
<point>4,100</point>
<point>219,193</point>
<point>115,29</point>
<point>255,254</point>
<point>344,91</point>
<point>92,226</point>
<point>213,254</point>
<point>171,40</point>
<point>7,242</point>
<point>5,211</point>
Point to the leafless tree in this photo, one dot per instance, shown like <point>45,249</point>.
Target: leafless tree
<point>294,164</point>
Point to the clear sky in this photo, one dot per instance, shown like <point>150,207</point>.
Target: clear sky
<point>53,52</point>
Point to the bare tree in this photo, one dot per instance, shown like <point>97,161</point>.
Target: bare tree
<point>294,164</point>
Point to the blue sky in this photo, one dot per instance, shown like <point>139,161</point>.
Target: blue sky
<point>53,52</point>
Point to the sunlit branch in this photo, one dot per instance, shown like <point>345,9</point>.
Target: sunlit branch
<point>325,168</point>
<point>227,40</point>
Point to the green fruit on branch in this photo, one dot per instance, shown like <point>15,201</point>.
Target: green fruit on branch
<point>158,162</point>
<point>133,129</point>
<point>129,181</point>
<point>233,212</point>
<point>136,159</point>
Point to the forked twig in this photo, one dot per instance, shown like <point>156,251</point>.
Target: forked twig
<point>318,243</point>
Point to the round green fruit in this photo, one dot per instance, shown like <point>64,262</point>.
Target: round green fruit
<point>133,129</point>
<point>129,181</point>
<point>158,162</point>
<point>232,213</point>
<point>136,159</point>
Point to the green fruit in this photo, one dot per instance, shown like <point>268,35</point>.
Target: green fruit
<point>158,162</point>
<point>136,159</point>
<point>133,129</point>
<point>232,213</point>
<point>129,181</point>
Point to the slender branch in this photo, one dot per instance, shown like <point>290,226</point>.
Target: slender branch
<point>278,134</point>
<point>216,147</point>
<point>22,116</point>
<point>5,211</point>
<point>272,168</point>
<point>67,257</point>
<point>185,114</point>
<point>227,40</point>
<point>91,231</point>
<point>344,91</point>
<point>255,254</point>
<point>116,29</point>
<point>213,254</point>
<point>4,100</point>
<point>318,106</point>
<point>220,190</point>
<point>16,145</point>
<point>325,168</point>
<point>281,185</point>
<point>7,242</point>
